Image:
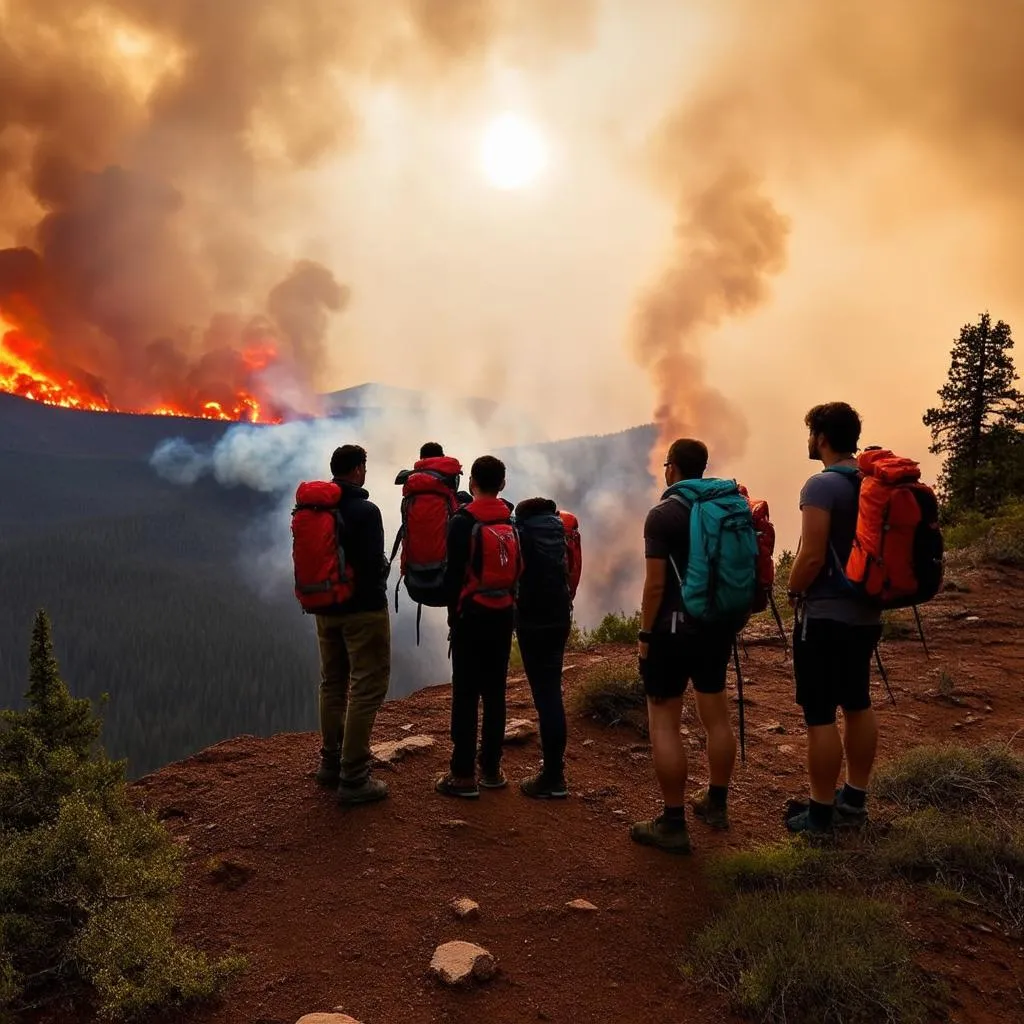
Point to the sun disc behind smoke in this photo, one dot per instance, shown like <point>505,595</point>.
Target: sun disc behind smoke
<point>513,152</point>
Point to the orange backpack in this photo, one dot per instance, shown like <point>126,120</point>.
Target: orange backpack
<point>896,559</point>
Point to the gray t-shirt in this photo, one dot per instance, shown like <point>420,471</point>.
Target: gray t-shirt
<point>829,596</point>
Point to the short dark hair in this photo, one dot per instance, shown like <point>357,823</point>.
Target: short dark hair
<point>689,456</point>
<point>347,459</point>
<point>489,474</point>
<point>839,422</point>
<point>431,450</point>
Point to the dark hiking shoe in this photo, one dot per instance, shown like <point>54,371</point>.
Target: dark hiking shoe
<point>496,780</point>
<point>367,792</point>
<point>540,787</point>
<point>798,820</point>
<point>670,837</point>
<point>848,816</point>
<point>712,815</point>
<point>448,785</point>
<point>329,772</point>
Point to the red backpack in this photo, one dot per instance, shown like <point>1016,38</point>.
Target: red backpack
<point>428,503</point>
<point>495,558</point>
<point>323,578</point>
<point>574,551</point>
<point>764,596</point>
<point>896,559</point>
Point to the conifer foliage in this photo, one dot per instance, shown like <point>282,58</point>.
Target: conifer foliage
<point>87,877</point>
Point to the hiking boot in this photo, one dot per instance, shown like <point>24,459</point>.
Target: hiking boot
<point>798,820</point>
<point>449,785</point>
<point>495,780</point>
<point>848,816</point>
<point>541,787</point>
<point>712,815</point>
<point>668,836</point>
<point>328,774</point>
<point>366,792</point>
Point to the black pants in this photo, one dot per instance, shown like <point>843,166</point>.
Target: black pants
<point>543,651</point>
<point>481,644</point>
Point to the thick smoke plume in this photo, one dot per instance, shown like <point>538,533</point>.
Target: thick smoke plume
<point>910,106</point>
<point>147,148</point>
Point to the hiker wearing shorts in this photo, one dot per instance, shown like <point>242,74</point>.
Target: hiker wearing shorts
<point>355,643</point>
<point>483,567</point>
<point>836,631</point>
<point>673,650</point>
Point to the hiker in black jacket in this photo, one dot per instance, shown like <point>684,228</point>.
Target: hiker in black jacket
<point>543,618</point>
<point>480,578</point>
<point>355,642</point>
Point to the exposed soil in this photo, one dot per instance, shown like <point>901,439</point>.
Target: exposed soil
<point>345,907</point>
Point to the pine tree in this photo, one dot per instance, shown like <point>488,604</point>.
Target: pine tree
<point>977,425</point>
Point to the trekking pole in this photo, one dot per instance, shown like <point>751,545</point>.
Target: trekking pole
<point>920,631</point>
<point>739,694</point>
<point>778,621</point>
<point>884,674</point>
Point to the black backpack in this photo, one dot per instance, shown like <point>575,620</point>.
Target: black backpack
<point>545,579</point>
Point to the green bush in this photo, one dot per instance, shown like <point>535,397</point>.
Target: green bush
<point>998,539</point>
<point>952,775</point>
<point>87,878</point>
<point>810,958</point>
<point>615,629</point>
<point>612,694</point>
<point>961,854</point>
<point>778,866</point>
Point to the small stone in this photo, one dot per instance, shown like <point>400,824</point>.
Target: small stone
<point>455,823</point>
<point>588,743</point>
<point>776,727</point>
<point>520,730</point>
<point>407,727</point>
<point>785,748</point>
<point>988,708</point>
<point>465,908</point>
<point>395,750</point>
<point>620,813</point>
<point>459,963</point>
<point>585,906</point>
<point>327,1018</point>
<point>958,725</point>
<point>973,618</point>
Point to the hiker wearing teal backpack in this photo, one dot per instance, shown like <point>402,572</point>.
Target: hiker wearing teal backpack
<point>836,630</point>
<point>701,574</point>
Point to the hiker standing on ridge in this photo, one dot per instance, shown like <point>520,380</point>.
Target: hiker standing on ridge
<point>355,641</point>
<point>836,631</point>
<point>429,452</point>
<point>484,565</point>
<point>680,643</point>
<point>550,543</point>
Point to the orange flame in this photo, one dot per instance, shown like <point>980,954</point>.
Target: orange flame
<point>23,373</point>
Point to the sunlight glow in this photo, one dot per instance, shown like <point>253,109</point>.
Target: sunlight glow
<point>513,153</point>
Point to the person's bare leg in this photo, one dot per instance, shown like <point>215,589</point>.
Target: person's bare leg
<point>713,711</point>
<point>665,718</point>
<point>824,761</point>
<point>860,739</point>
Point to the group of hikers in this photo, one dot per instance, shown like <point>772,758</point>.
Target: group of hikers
<point>869,541</point>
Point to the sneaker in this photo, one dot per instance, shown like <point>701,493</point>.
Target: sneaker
<point>711,815</point>
<point>667,837</point>
<point>848,816</point>
<point>448,785</point>
<point>493,780</point>
<point>540,787</point>
<point>367,792</point>
<point>329,772</point>
<point>798,820</point>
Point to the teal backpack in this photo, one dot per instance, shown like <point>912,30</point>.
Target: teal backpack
<point>721,572</point>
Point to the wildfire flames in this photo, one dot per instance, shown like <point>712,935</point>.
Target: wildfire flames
<point>24,371</point>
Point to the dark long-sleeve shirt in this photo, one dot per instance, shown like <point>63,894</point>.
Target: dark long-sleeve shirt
<point>363,541</point>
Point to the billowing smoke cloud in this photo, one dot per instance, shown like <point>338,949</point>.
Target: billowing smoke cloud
<point>912,105</point>
<point>145,150</point>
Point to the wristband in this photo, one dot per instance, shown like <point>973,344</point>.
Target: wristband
<point>644,636</point>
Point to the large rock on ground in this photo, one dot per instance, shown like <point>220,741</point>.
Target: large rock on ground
<point>520,730</point>
<point>465,908</point>
<point>327,1018</point>
<point>459,963</point>
<point>395,750</point>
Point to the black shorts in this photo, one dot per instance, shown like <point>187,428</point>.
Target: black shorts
<point>832,665</point>
<point>673,659</point>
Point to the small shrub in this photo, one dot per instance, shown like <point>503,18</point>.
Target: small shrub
<point>952,775</point>
<point>998,539</point>
<point>612,694</point>
<point>898,625</point>
<point>515,658</point>
<point>778,866</point>
<point>960,854</point>
<point>808,958</point>
<point>616,629</point>
<point>946,684</point>
<point>578,637</point>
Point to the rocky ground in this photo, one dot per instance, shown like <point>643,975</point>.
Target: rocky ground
<point>345,909</point>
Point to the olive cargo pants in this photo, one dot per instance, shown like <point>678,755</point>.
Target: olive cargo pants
<point>355,669</point>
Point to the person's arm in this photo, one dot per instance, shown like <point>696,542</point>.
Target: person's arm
<point>656,552</point>
<point>812,553</point>
<point>365,545</point>
<point>459,530</point>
